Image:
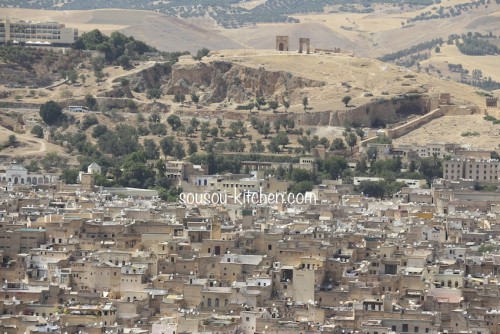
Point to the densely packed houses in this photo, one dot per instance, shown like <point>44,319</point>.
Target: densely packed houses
<point>85,259</point>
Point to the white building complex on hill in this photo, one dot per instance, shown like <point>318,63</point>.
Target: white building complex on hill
<point>31,33</point>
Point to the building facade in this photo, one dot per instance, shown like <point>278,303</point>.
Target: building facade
<point>31,33</point>
<point>480,170</point>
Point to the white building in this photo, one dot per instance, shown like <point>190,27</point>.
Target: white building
<point>17,174</point>
<point>31,33</point>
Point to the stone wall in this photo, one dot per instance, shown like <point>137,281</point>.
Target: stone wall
<point>377,113</point>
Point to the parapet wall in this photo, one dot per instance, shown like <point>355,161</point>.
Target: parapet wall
<point>424,119</point>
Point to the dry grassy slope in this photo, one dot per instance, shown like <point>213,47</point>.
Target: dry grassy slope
<point>363,75</point>
<point>449,129</point>
<point>369,35</point>
<point>451,55</point>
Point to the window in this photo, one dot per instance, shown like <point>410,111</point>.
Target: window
<point>415,329</point>
<point>393,328</point>
<point>405,328</point>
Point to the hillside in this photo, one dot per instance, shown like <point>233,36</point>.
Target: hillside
<point>323,78</point>
<point>370,30</point>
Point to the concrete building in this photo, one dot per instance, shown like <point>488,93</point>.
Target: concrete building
<point>480,170</point>
<point>31,33</point>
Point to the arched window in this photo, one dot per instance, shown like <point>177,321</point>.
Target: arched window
<point>209,302</point>
<point>216,302</point>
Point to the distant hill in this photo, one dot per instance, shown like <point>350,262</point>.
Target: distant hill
<point>227,13</point>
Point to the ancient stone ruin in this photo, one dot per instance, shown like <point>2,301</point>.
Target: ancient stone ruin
<point>491,102</point>
<point>307,43</point>
<point>444,99</point>
<point>282,43</point>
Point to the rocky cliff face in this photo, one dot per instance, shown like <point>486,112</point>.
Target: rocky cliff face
<point>224,81</point>
<point>155,76</point>
<point>220,81</point>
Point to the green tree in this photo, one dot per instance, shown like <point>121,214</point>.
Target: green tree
<point>214,132</point>
<point>33,166</point>
<point>257,147</point>
<point>192,147</point>
<point>195,123</point>
<point>333,167</point>
<point>83,78</point>
<point>179,151</point>
<point>167,145</point>
<point>338,145</point>
<point>90,102</point>
<point>431,168</point>
<point>99,130</point>
<point>273,104</point>
<point>195,98</point>
<point>136,172</point>
<point>302,187</point>
<point>154,94</point>
<point>174,121</point>
<point>122,141</point>
<point>282,139</point>
<point>69,175</point>
<point>88,121</point>
<point>12,141</point>
<point>53,160</point>
<point>72,76</point>
<point>124,62</point>
<point>151,150</point>
<point>219,123</point>
<point>351,140</point>
<point>190,130</point>
<point>286,104</point>
<point>360,132</point>
<point>361,167</point>
<point>305,102</point>
<point>277,125</point>
<point>99,75</point>
<point>372,189</point>
<point>51,113</point>
<point>264,129</point>
<point>37,131</point>
<point>179,98</point>
<point>201,53</point>
<point>288,124</point>
<point>346,99</point>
